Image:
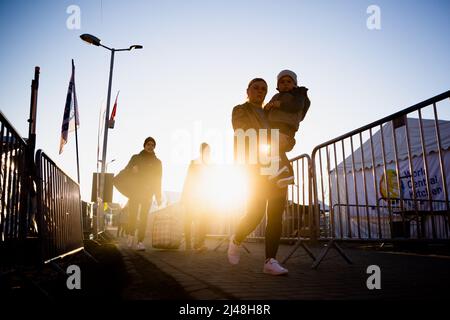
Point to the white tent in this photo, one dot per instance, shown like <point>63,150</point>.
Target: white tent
<point>365,211</point>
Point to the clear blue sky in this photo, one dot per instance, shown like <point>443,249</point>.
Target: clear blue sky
<point>197,60</point>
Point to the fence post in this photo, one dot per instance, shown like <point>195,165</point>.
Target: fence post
<point>312,202</point>
<point>28,175</point>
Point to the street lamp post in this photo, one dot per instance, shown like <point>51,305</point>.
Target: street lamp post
<point>106,166</point>
<point>96,42</point>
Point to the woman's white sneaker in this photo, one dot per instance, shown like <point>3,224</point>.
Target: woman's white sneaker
<point>273,267</point>
<point>140,247</point>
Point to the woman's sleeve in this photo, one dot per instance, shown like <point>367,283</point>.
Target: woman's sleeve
<point>239,119</point>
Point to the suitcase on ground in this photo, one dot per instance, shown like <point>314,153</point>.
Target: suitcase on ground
<point>167,228</point>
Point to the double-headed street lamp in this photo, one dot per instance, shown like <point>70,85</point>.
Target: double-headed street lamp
<point>96,42</point>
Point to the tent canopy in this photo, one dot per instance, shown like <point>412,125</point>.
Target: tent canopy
<point>415,142</point>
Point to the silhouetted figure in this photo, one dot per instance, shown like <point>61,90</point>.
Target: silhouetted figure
<point>122,221</point>
<point>196,200</point>
<point>147,172</point>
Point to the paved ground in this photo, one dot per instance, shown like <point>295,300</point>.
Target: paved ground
<point>111,277</point>
<point>208,276</point>
<point>180,276</point>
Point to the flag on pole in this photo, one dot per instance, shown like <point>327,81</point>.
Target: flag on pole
<point>113,113</point>
<point>71,119</point>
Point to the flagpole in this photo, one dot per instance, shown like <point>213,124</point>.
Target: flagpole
<point>75,104</point>
<point>100,129</point>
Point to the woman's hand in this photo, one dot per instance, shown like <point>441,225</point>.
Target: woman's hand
<point>272,104</point>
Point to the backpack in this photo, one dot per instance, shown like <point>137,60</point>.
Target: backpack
<point>125,182</point>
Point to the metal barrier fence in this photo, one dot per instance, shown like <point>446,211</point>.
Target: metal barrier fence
<point>14,220</point>
<point>298,219</point>
<point>59,209</point>
<point>387,180</point>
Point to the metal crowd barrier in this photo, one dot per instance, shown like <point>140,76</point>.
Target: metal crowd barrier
<point>387,180</point>
<point>59,209</point>
<point>298,220</point>
<point>14,218</point>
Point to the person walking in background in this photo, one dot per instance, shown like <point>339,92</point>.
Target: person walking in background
<point>146,170</point>
<point>262,192</point>
<point>196,200</point>
<point>122,221</point>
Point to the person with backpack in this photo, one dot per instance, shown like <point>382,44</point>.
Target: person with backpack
<point>144,174</point>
